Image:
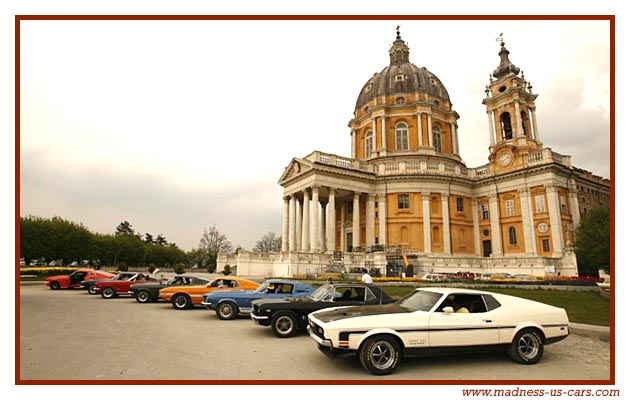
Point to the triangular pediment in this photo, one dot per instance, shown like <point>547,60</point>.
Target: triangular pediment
<point>296,167</point>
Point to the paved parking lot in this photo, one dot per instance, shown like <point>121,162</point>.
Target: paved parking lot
<point>69,334</point>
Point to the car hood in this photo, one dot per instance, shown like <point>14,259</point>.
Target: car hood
<point>358,311</point>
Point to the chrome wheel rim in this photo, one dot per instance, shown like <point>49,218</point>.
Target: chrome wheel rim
<point>108,293</point>
<point>181,302</point>
<point>143,296</point>
<point>284,324</point>
<point>226,310</point>
<point>528,346</point>
<point>382,355</point>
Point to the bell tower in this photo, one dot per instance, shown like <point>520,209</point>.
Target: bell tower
<point>510,105</point>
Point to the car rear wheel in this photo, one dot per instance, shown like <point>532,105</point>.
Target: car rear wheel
<point>227,310</point>
<point>527,347</point>
<point>143,296</point>
<point>92,289</point>
<point>380,354</point>
<point>284,325</point>
<point>54,285</point>
<point>108,293</point>
<point>181,302</point>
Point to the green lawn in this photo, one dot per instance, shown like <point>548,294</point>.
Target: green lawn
<point>582,307</point>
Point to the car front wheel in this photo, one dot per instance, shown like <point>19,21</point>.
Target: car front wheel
<point>527,347</point>
<point>227,310</point>
<point>92,289</point>
<point>181,302</point>
<point>108,293</point>
<point>380,354</point>
<point>143,296</point>
<point>284,325</point>
<point>54,285</point>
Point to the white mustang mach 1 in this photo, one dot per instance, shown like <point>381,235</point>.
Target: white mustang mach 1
<point>439,320</point>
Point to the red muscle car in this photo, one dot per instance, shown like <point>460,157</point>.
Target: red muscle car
<point>112,288</point>
<point>74,279</point>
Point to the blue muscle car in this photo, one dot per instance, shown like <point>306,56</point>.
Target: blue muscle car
<point>229,303</point>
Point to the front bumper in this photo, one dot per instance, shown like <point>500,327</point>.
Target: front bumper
<point>209,306</point>
<point>260,319</point>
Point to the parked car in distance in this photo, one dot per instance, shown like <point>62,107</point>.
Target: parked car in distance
<point>74,279</point>
<point>185,297</point>
<point>431,321</point>
<point>89,284</point>
<point>110,289</point>
<point>229,303</point>
<point>146,292</point>
<point>433,277</point>
<point>288,316</point>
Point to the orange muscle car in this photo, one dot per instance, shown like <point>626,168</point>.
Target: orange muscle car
<point>184,297</point>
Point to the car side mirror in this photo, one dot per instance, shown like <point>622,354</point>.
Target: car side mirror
<point>448,310</point>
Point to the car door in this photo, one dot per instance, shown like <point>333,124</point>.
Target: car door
<point>451,325</point>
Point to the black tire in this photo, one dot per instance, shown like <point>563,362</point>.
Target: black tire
<point>227,310</point>
<point>54,285</point>
<point>181,302</point>
<point>91,289</point>
<point>284,325</point>
<point>143,296</point>
<point>108,293</point>
<point>527,347</point>
<point>380,354</point>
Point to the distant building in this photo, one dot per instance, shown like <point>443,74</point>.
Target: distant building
<point>406,197</point>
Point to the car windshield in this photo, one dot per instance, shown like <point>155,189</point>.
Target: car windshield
<point>262,288</point>
<point>320,292</point>
<point>419,300</point>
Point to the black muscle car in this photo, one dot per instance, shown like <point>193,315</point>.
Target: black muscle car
<point>146,292</point>
<point>287,316</point>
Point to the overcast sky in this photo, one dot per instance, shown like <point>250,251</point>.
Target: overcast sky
<point>179,125</point>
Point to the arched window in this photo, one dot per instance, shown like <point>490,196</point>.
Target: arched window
<point>402,137</point>
<point>437,138</point>
<point>512,234</point>
<point>506,125</point>
<point>368,144</point>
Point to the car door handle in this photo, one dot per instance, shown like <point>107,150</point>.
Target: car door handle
<point>489,321</point>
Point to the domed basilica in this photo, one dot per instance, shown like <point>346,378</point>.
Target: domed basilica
<point>405,202</point>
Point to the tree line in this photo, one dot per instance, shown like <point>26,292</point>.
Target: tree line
<point>55,238</point>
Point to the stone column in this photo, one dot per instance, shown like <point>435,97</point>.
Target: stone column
<point>342,233</point>
<point>383,135</point>
<point>555,219</point>
<point>528,221</point>
<point>446,224</point>
<point>356,221</point>
<point>575,207</point>
<point>354,143</point>
<point>534,123</point>
<point>285,224</point>
<point>426,221</point>
<point>419,118</point>
<point>306,211</point>
<point>292,220</point>
<point>491,129</point>
<point>315,220</point>
<point>430,130</point>
<point>495,225</point>
<point>369,220</point>
<point>454,138</point>
<point>299,208</point>
<point>322,228</point>
<point>382,219</point>
<point>476,238</point>
<point>519,120</point>
<point>331,245</point>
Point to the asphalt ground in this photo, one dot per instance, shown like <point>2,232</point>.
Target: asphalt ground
<point>70,335</point>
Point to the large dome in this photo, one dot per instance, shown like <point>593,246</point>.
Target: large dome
<point>401,76</point>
